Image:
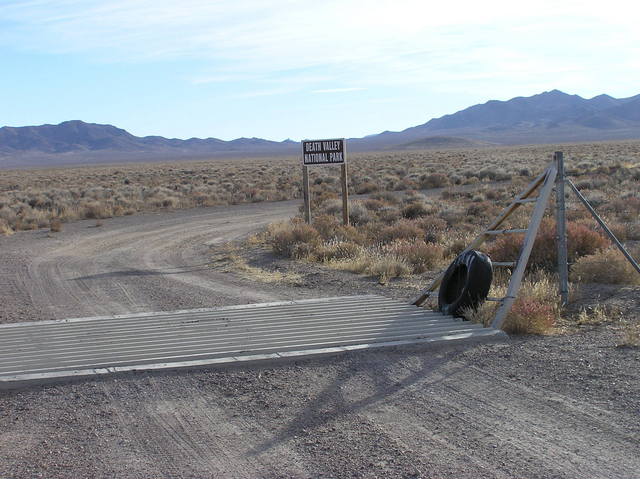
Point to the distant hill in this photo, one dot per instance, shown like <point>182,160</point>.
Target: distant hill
<point>80,136</point>
<point>549,117</point>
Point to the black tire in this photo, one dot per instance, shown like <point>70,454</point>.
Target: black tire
<point>466,283</point>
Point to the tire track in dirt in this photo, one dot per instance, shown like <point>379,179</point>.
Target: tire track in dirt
<point>187,436</point>
<point>549,433</point>
<point>153,263</point>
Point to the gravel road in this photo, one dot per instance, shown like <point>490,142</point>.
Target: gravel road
<point>565,406</point>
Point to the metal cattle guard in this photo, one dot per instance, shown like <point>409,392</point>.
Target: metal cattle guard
<point>48,350</point>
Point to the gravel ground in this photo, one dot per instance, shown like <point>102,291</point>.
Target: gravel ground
<point>564,406</point>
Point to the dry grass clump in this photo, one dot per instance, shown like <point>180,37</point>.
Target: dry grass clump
<point>598,314</point>
<point>295,240</point>
<point>630,336</point>
<point>336,250</point>
<point>607,266</point>
<point>401,230</point>
<point>55,225</point>
<point>421,256</point>
<point>530,316</point>
<point>381,266</point>
<point>535,311</point>
<point>5,229</point>
<point>227,258</point>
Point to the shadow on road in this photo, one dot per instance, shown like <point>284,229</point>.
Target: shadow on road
<point>144,272</point>
<point>332,403</point>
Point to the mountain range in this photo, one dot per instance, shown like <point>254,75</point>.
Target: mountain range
<point>548,117</point>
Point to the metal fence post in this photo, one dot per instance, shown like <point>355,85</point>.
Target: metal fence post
<point>561,230</point>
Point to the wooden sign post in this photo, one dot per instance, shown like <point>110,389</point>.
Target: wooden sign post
<point>324,152</point>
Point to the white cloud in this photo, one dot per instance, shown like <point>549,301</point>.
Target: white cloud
<point>385,42</point>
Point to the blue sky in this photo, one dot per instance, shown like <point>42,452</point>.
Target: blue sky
<point>281,69</point>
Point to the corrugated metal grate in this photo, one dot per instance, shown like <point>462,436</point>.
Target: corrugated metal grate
<point>102,345</point>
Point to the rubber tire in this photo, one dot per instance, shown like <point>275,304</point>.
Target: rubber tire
<point>466,283</point>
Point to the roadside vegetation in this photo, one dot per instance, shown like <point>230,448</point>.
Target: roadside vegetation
<point>404,234</point>
<point>31,199</point>
<point>420,210</point>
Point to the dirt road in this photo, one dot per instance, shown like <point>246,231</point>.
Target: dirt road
<point>565,406</point>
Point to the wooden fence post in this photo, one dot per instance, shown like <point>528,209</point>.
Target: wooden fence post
<point>307,193</point>
<point>561,230</point>
<point>345,195</point>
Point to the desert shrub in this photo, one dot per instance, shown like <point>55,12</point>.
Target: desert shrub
<point>581,241</point>
<point>633,231</point>
<point>388,214</point>
<point>481,209</point>
<point>453,216</point>
<point>401,230</point>
<point>456,245</point>
<point>282,242</point>
<point>415,210</point>
<point>170,202</point>
<point>303,250</point>
<point>8,215</point>
<point>505,247</point>
<point>598,314</point>
<point>624,206</point>
<point>31,219</point>
<point>332,206</point>
<point>435,180</point>
<point>337,250</point>
<point>529,316</point>
<point>326,225</point>
<point>374,205</point>
<point>55,225</point>
<point>537,307</point>
<point>630,336</point>
<point>5,229</point>
<point>377,264</point>
<point>365,188</point>
<point>405,184</point>
<point>96,210</point>
<point>421,256</point>
<point>386,197</point>
<point>494,195</point>
<point>535,311</point>
<point>620,230</point>
<point>351,234</point>
<point>286,239</point>
<point>358,213</point>
<point>388,267</point>
<point>608,266</point>
<point>433,228</point>
<point>449,194</point>
<point>494,174</point>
